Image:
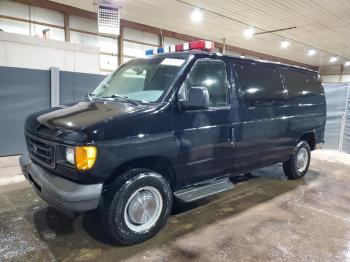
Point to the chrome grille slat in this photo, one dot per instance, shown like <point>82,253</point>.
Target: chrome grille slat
<point>41,151</point>
<point>42,155</point>
<point>41,147</point>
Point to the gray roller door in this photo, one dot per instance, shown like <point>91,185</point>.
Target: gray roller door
<point>75,86</point>
<point>22,92</point>
<point>26,91</point>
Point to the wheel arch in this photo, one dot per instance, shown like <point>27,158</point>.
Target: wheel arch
<point>159,164</point>
<point>310,138</point>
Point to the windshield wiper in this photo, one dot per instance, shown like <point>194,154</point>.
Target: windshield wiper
<point>90,96</point>
<point>124,98</point>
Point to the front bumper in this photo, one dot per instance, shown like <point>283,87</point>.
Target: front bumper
<point>59,192</point>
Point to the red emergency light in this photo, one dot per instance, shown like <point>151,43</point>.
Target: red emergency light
<point>195,45</point>
<point>202,45</point>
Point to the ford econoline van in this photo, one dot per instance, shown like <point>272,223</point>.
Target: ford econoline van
<point>170,127</point>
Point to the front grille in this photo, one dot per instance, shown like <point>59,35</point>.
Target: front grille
<point>41,150</point>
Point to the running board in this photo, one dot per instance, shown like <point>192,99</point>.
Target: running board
<point>194,193</point>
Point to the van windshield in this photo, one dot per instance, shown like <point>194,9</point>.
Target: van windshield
<point>141,80</point>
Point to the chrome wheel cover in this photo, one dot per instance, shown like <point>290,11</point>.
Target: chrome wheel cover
<point>302,160</point>
<point>143,209</point>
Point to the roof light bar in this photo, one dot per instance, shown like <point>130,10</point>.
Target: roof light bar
<point>194,45</point>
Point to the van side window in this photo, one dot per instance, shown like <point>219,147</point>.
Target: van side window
<point>212,75</point>
<point>301,84</point>
<point>259,82</point>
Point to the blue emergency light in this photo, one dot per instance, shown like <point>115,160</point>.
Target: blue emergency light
<point>149,52</point>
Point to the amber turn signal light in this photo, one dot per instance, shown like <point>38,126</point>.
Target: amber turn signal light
<point>85,157</point>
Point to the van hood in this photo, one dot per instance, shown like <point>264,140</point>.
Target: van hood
<point>82,116</point>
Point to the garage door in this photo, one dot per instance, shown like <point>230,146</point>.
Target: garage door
<point>22,92</point>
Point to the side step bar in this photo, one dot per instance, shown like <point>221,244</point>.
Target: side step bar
<point>196,192</point>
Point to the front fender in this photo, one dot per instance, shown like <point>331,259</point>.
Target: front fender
<point>113,154</point>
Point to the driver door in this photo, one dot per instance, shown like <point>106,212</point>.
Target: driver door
<point>204,135</point>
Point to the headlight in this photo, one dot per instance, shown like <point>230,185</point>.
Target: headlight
<point>70,155</point>
<point>83,157</point>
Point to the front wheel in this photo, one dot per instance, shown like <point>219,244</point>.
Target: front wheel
<point>136,206</point>
<point>298,164</point>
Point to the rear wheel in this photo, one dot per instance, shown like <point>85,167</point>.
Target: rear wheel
<point>298,164</point>
<point>136,206</point>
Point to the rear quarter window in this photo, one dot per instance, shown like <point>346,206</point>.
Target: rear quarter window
<point>301,84</point>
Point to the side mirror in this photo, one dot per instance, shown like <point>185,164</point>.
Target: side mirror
<point>198,98</point>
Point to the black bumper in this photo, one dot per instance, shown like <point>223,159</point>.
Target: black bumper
<point>58,192</point>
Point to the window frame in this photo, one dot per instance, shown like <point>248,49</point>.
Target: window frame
<point>227,82</point>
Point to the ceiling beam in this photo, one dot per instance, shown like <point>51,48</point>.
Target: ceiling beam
<point>275,31</point>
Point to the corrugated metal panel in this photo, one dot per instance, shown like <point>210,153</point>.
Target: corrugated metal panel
<point>336,103</point>
<point>346,139</point>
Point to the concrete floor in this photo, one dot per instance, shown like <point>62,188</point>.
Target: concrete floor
<point>263,218</point>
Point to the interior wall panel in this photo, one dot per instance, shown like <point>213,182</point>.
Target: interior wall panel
<point>16,27</point>
<point>83,23</point>
<point>11,8</point>
<point>141,36</point>
<point>46,16</point>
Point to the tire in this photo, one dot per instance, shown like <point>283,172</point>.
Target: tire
<point>295,169</point>
<point>122,212</point>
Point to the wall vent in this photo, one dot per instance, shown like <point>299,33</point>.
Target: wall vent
<point>108,20</point>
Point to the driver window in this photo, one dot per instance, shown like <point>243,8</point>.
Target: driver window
<point>212,75</point>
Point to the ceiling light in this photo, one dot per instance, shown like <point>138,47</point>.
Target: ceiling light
<point>311,52</point>
<point>347,63</point>
<point>333,59</point>
<point>249,32</point>
<point>197,15</point>
<point>285,44</point>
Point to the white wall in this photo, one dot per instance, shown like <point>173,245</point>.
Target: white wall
<point>37,53</point>
<point>138,50</point>
<point>33,13</point>
<point>108,47</point>
<point>331,73</point>
<point>335,78</point>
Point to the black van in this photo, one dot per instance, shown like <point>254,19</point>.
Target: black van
<point>172,126</point>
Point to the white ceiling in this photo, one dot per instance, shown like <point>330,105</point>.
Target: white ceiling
<point>321,24</point>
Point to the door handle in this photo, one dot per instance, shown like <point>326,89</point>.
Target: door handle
<point>233,138</point>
